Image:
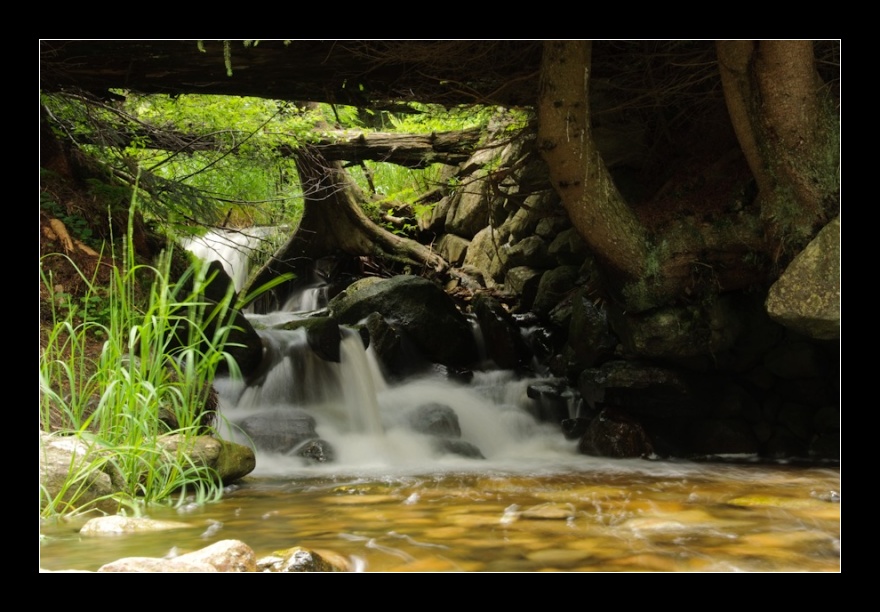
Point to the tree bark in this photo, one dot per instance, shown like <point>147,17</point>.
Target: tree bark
<point>334,223</point>
<point>647,268</point>
<point>366,73</point>
<point>408,150</point>
<point>577,171</point>
<point>789,133</point>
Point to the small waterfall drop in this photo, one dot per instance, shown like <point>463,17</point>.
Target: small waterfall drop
<point>308,412</point>
<point>232,248</point>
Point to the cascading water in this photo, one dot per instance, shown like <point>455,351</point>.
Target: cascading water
<point>382,475</point>
<point>428,422</point>
<point>232,248</point>
<point>307,412</point>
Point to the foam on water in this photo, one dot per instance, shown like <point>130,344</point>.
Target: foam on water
<point>365,419</point>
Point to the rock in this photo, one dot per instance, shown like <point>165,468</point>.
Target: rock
<point>486,256</point>
<point>453,248</point>
<point>228,556</point>
<point>149,565</point>
<point>299,559</point>
<point>524,281</point>
<point>441,422</point>
<point>554,286</point>
<point>722,437</point>
<point>574,428</point>
<point>315,451</point>
<point>388,345</point>
<point>61,456</point>
<point>568,248</point>
<point>235,461</point>
<point>613,433</point>
<point>469,210</point>
<point>65,457</point>
<point>230,461</point>
<point>436,420</point>
<point>530,251</point>
<point>501,335</point>
<point>633,384</point>
<point>279,431</point>
<point>806,298</point>
<point>590,339</point>
<point>115,525</point>
<point>322,335</point>
<point>671,332</point>
<point>552,399</point>
<point>223,556</point>
<point>459,447</point>
<point>418,308</point>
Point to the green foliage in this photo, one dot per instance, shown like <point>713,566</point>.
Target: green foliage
<point>207,161</point>
<point>198,156</point>
<point>152,377</point>
<point>429,118</point>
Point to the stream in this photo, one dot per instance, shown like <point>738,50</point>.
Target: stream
<point>591,515</point>
<point>393,499</point>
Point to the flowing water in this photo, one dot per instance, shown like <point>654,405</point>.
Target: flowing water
<point>393,500</point>
<point>232,248</point>
<point>592,515</point>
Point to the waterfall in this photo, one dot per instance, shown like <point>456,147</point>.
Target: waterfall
<point>367,423</point>
<point>232,248</point>
<point>309,299</point>
<point>305,411</point>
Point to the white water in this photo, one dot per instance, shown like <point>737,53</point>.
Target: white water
<point>232,248</point>
<point>365,419</point>
<point>389,503</point>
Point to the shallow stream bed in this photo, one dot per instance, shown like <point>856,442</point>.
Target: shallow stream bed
<point>596,515</point>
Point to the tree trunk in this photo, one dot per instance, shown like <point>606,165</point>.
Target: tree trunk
<point>333,223</point>
<point>789,132</point>
<point>366,73</point>
<point>408,150</point>
<point>577,171</point>
<point>646,269</point>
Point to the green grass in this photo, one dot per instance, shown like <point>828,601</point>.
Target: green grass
<point>162,343</point>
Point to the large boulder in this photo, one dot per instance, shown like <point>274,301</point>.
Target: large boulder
<point>806,298</point>
<point>614,433</point>
<point>485,253</point>
<point>230,461</point>
<point>441,423</point>
<point>468,211</point>
<point>63,456</point>
<point>223,556</point>
<point>418,308</point>
<point>322,334</point>
<point>555,284</point>
<point>279,431</point>
<point>501,336</point>
<point>435,419</point>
